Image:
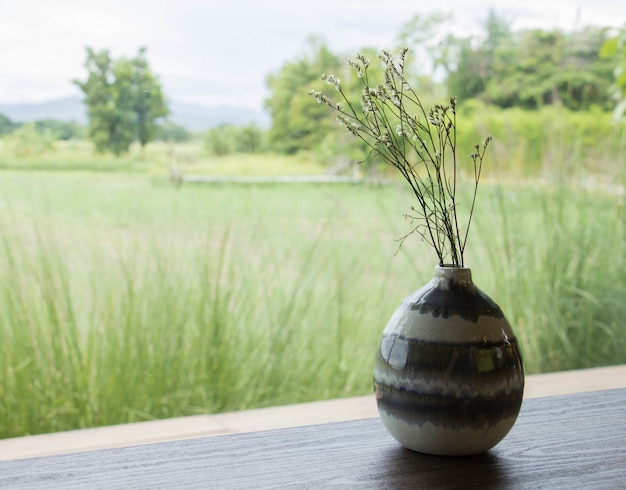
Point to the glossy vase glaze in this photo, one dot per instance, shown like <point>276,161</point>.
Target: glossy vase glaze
<point>448,376</point>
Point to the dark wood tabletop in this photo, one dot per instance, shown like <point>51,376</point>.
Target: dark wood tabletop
<point>560,442</point>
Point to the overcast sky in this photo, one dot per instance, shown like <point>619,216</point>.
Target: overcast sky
<point>219,52</point>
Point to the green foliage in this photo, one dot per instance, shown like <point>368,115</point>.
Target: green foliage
<point>337,145</point>
<point>250,139</point>
<point>29,141</point>
<point>531,68</point>
<point>548,141</point>
<point>614,49</point>
<point>108,129</point>
<point>148,100</point>
<point>296,123</point>
<point>526,69</point>
<point>425,38</point>
<point>470,63</point>
<point>36,139</point>
<point>6,125</point>
<point>61,130</point>
<point>169,131</point>
<point>227,139</point>
<point>220,140</point>
<point>124,101</point>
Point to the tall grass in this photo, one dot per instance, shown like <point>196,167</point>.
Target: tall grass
<point>123,299</point>
<point>555,258</point>
<point>179,301</point>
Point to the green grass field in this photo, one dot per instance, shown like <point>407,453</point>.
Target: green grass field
<point>125,298</point>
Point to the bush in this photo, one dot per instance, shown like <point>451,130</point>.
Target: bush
<point>28,141</point>
<point>226,139</point>
<point>61,130</point>
<point>6,125</point>
<point>549,140</point>
<point>169,131</point>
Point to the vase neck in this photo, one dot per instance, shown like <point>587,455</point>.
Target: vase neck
<point>453,274</point>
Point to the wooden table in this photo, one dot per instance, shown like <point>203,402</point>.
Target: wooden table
<point>562,442</point>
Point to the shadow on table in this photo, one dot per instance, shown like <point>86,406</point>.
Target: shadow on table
<point>402,468</point>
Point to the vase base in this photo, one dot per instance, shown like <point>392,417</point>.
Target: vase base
<point>430,439</point>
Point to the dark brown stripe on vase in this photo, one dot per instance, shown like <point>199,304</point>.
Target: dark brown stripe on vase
<point>452,385</point>
<point>452,413</point>
<point>472,364</point>
<point>469,302</point>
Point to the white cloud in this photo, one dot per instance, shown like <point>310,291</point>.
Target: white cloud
<point>221,51</point>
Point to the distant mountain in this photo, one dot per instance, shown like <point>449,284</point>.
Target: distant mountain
<point>192,117</point>
<point>198,118</point>
<point>67,109</point>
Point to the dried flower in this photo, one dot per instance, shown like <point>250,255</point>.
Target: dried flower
<point>420,144</point>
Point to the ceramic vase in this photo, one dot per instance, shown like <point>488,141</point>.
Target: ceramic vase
<point>448,375</point>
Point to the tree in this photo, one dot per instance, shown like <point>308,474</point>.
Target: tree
<point>296,123</point>
<point>529,68</point>
<point>614,50</point>
<point>472,62</point>
<point>527,78</point>
<point>425,38</point>
<point>149,103</point>
<point>337,148</point>
<point>124,101</point>
<point>6,125</point>
<point>105,124</point>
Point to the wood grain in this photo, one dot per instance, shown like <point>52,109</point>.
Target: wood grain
<point>570,441</point>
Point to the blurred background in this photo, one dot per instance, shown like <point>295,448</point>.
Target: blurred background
<point>168,247</point>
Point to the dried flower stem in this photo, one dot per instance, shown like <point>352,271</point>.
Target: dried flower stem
<point>420,144</point>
